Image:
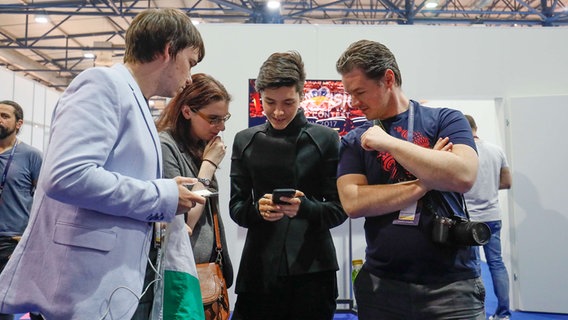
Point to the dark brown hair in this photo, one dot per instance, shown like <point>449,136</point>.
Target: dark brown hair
<point>471,121</point>
<point>18,111</point>
<point>282,69</point>
<point>371,57</point>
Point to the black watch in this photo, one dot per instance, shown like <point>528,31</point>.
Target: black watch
<point>206,182</point>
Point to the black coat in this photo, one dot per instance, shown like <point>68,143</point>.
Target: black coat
<point>303,156</point>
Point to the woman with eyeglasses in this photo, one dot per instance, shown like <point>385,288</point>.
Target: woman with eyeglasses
<point>189,130</point>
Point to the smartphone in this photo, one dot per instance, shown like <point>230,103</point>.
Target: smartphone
<point>285,192</point>
<point>205,193</point>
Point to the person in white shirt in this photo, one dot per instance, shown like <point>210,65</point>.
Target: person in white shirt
<point>483,205</point>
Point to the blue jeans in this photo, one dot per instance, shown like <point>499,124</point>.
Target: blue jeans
<point>385,299</point>
<point>497,268</point>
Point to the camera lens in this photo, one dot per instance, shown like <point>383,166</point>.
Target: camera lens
<point>480,232</point>
<point>471,233</point>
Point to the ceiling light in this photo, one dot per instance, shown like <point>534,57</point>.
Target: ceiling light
<point>41,18</point>
<point>431,4</point>
<point>88,55</point>
<point>273,4</point>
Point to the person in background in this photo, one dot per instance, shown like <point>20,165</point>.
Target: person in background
<point>84,252</point>
<point>191,147</point>
<point>20,164</point>
<point>389,173</point>
<point>483,205</point>
<point>288,265</point>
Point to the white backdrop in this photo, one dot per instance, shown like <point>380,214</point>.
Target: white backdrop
<point>36,100</point>
<point>540,217</point>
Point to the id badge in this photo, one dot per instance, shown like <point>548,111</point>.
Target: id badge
<point>409,216</point>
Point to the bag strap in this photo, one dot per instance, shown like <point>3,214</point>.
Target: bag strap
<point>217,232</point>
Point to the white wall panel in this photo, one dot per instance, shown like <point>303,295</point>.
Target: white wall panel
<point>6,84</point>
<point>38,116</point>
<point>24,94</point>
<point>38,137</point>
<point>51,98</point>
<point>25,133</point>
<point>539,201</point>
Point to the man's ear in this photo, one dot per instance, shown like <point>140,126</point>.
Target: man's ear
<point>186,112</point>
<point>389,78</point>
<point>19,124</point>
<point>165,55</point>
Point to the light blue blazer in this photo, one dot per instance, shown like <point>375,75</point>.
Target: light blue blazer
<point>84,252</point>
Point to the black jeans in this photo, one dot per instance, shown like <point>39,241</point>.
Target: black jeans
<point>310,296</point>
<point>385,299</point>
<point>7,246</point>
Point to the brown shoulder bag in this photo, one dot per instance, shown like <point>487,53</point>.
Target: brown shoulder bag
<point>212,283</point>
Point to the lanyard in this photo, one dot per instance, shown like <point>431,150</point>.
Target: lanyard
<point>410,122</point>
<point>5,174</point>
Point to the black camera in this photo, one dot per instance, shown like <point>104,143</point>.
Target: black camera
<point>460,232</point>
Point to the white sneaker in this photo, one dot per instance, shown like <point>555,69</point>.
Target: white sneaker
<point>495,317</point>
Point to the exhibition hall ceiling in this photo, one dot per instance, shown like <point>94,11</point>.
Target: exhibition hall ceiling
<point>57,49</point>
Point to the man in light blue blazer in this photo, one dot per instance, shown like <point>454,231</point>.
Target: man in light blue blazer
<point>84,252</point>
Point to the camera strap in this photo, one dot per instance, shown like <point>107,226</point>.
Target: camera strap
<point>438,205</point>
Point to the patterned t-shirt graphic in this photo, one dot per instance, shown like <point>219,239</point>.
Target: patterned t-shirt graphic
<point>396,172</point>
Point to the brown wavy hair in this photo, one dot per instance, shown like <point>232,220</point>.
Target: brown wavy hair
<point>203,91</point>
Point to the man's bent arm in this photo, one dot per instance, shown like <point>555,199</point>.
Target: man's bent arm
<point>362,200</point>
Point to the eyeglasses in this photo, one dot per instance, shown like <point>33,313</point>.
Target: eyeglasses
<point>213,120</point>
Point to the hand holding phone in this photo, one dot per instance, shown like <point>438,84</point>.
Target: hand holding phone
<point>282,192</point>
